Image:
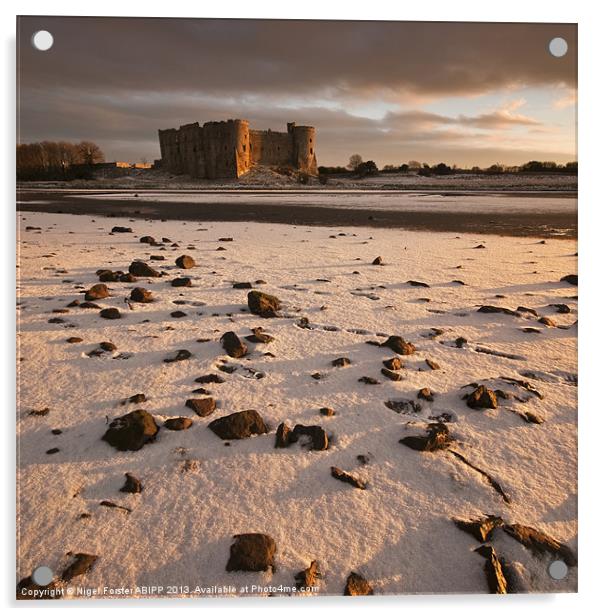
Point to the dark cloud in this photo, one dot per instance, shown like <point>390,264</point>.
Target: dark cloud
<point>117,80</point>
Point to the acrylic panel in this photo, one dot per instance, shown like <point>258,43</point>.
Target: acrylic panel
<point>296,308</point>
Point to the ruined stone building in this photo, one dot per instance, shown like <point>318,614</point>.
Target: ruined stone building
<point>229,149</point>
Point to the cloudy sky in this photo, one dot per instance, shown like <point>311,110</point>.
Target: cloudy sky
<point>470,94</point>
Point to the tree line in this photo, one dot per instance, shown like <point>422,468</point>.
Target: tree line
<point>359,168</point>
<point>57,160</point>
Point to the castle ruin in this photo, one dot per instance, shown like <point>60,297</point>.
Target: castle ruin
<point>229,149</point>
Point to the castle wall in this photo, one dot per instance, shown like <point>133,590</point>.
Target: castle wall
<point>229,149</point>
<point>271,148</point>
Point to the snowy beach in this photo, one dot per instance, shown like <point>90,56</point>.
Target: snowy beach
<point>439,291</point>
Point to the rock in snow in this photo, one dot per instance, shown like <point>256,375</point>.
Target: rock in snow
<point>357,585</point>
<point>131,431</point>
<point>239,425</point>
<point>251,552</point>
<point>263,304</point>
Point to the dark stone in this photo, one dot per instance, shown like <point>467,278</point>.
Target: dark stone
<point>132,484</point>
<point>527,310</point>
<point>178,423</point>
<point>106,275</point>
<point>482,398</point>
<point>480,528</point>
<point>399,345</point>
<point>461,342</point>
<point>82,563</point>
<point>74,340</point>
<point>239,425</point>
<point>121,230</point>
<point>539,542</point>
<point>393,364</point>
<point>209,378</point>
<point>341,362</point>
<point>433,365</point>
<point>251,552</point>
<point>425,394</point>
<point>368,380</point>
<point>327,411</point>
<point>181,282</point>
<point>148,239</point>
<point>180,355</point>
<point>110,313</point>
<point>259,336</point>
<point>97,291</point>
<point>437,437</point>
<point>546,321</point>
<point>52,450</point>
<point>561,308</point>
<point>391,374</point>
<point>108,346</point>
<point>177,314</point>
<point>140,268</point>
<point>357,586</point>
<point>341,475</point>
<point>570,278</point>
<point>308,578</point>
<point>282,436</point>
<point>233,345</point>
<point>319,438</point>
<point>141,295</point>
<point>127,278</point>
<point>377,261</point>
<point>39,413</point>
<point>263,304</point>
<point>494,573</point>
<point>403,406</point>
<point>203,407</point>
<point>131,431</point>
<point>136,399</point>
<point>498,310</point>
<point>89,305</point>
<point>416,283</point>
<point>242,285</point>
<point>185,262</point>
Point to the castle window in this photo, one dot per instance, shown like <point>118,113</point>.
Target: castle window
<point>244,147</point>
<point>311,150</point>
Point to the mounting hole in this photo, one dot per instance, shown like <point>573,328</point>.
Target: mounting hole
<point>558,47</point>
<point>558,570</point>
<point>42,576</point>
<point>42,40</point>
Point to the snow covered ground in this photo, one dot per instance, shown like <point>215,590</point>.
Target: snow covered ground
<point>398,533</point>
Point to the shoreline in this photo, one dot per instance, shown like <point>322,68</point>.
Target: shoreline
<point>528,224</point>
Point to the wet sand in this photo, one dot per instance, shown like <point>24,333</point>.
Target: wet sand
<point>519,224</point>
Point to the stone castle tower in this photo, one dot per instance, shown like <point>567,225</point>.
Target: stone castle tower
<point>229,149</point>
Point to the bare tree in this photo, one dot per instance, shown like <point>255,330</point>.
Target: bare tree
<point>89,153</point>
<point>355,160</point>
<point>54,160</point>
